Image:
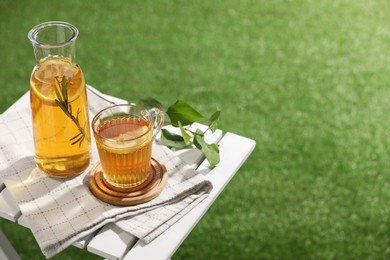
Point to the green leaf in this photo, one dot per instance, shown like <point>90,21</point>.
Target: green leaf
<point>211,151</point>
<point>81,141</point>
<point>184,113</point>
<point>64,88</point>
<point>61,105</point>
<point>76,136</point>
<point>151,102</point>
<point>173,140</point>
<point>184,134</point>
<point>78,140</point>
<point>213,120</point>
<point>70,108</point>
<point>57,91</point>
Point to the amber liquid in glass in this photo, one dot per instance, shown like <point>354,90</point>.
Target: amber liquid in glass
<point>53,129</point>
<point>125,148</point>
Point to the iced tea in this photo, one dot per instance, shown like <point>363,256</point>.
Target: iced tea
<point>62,143</point>
<point>124,145</point>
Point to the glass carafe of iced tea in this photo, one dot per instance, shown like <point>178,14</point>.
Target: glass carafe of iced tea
<point>58,102</point>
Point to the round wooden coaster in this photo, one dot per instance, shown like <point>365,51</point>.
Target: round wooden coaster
<point>142,193</point>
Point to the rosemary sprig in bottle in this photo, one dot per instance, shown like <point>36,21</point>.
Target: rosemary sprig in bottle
<point>61,90</point>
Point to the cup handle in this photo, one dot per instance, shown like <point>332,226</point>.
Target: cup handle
<point>158,116</point>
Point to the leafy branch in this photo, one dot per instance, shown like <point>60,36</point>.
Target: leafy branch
<point>180,115</point>
<point>61,91</point>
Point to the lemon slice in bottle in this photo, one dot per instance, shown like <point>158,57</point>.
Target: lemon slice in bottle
<point>44,80</point>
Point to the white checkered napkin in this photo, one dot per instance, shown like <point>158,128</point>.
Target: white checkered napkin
<point>62,211</point>
<point>16,143</point>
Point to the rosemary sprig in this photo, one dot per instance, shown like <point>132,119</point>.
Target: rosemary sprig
<point>61,90</point>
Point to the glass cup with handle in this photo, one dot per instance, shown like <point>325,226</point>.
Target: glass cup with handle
<point>124,135</point>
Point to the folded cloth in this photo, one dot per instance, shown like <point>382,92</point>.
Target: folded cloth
<point>62,211</point>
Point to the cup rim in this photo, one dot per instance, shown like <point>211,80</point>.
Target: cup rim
<point>32,34</point>
<point>95,118</point>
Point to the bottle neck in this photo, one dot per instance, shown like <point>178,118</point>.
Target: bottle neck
<point>54,40</point>
<point>42,54</point>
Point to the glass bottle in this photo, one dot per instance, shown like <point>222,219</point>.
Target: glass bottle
<point>58,102</point>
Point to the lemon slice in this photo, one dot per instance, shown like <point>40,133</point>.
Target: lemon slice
<point>131,135</point>
<point>43,80</point>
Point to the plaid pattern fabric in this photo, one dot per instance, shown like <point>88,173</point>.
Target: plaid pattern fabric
<point>62,211</point>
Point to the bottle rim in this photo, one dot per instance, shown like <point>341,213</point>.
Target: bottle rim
<point>33,33</point>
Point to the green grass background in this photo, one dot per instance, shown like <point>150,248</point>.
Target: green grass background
<point>308,80</point>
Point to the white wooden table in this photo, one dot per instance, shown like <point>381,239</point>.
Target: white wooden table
<point>111,242</point>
